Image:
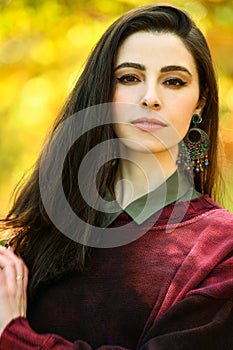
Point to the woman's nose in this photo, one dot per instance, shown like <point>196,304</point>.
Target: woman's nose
<point>151,99</point>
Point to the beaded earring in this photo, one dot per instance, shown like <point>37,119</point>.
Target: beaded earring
<point>193,150</point>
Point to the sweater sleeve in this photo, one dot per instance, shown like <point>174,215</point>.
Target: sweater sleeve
<point>18,335</point>
<point>195,323</point>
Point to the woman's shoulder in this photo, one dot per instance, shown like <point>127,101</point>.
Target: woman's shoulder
<point>203,216</point>
<point>199,213</point>
<point>207,206</point>
<point>210,218</point>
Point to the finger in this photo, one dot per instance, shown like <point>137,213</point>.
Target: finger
<point>8,274</point>
<point>19,264</point>
<point>14,287</point>
<point>14,269</point>
<point>24,293</point>
<point>8,252</point>
<point>16,277</point>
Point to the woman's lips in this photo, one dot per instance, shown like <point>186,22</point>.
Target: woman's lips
<point>148,124</point>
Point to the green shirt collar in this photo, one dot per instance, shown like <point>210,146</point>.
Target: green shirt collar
<point>176,188</point>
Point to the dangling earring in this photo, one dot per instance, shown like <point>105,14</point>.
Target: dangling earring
<point>193,152</point>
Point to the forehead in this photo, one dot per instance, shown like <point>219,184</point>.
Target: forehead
<point>160,48</point>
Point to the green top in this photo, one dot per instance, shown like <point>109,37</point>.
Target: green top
<point>176,188</point>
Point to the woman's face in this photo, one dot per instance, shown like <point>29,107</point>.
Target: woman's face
<point>156,90</point>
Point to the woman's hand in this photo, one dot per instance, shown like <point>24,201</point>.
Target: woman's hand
<point>13,286</point>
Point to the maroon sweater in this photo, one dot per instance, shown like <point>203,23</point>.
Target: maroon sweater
<point>170,289</point>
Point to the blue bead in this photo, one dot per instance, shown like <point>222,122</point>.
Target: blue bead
<point>206,162</point>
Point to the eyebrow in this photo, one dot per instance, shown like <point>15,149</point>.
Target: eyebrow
<point>131,65</point>
<point>171,68</point>
<point>175,69</point>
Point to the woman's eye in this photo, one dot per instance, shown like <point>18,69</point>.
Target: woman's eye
<point>175,82</point>
<point>128,79</point>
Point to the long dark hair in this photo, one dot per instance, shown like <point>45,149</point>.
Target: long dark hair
<point>47,252</point>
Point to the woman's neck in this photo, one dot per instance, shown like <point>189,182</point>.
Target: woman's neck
<point>140,173</point>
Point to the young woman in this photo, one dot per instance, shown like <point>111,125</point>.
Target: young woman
<point>151,268</point>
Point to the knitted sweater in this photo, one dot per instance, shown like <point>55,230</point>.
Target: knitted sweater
<point>170,289</point>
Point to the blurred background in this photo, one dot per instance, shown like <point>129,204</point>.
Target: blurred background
<point>43,46</point>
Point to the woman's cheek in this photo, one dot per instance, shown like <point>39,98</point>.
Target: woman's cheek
<point>123,95</point>
<point>183,126</point>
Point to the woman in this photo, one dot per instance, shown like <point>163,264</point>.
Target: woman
<point>166,280</point>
